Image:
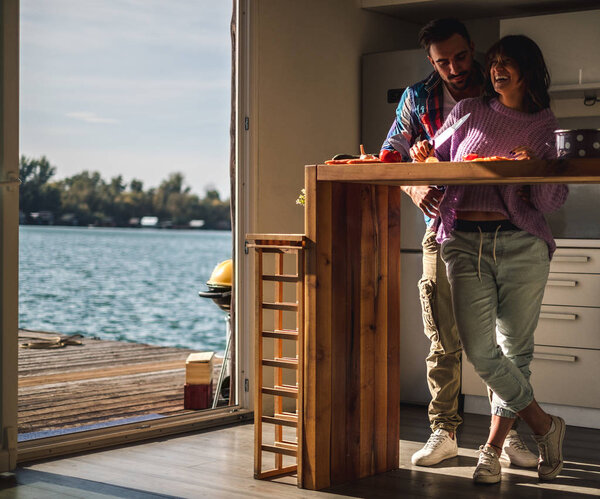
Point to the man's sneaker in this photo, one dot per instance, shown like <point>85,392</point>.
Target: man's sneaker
<point>440,446</point>
<point>550,446</point>
<point>517,452</point>
<point>488,467</point>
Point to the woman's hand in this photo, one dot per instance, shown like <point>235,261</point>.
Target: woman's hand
<point>421,150</point>
<point>523,152</point>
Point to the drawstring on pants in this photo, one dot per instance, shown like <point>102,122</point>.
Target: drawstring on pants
<point>481,249</point>
<point>495,238</point>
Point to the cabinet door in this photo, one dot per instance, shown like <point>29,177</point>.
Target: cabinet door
<point>581,290</point>
<point>414,346</point>
<point>575,327</point>
<point>568,41</point>
<point>576,260</point>
<point>566,376</point>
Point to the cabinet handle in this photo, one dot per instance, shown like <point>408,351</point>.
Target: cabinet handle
<point>561,283</point>
<point>554,356</point>
<point>565,317</point>
<point>570,259</point>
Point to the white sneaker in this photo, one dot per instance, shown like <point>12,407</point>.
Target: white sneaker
<point>550,446</point>
<point>440,446</point>
<point>488,467</point>
<point>515,450</point>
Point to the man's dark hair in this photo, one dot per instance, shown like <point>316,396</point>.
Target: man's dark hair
<point>532,68</point>
<point>440,30</point>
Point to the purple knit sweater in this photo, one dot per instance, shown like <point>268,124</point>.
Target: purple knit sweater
<point>494,130</point>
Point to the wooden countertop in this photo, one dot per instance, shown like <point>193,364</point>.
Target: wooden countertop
<point>572,171</point>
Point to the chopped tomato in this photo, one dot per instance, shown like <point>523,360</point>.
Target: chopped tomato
<point>390,156</point>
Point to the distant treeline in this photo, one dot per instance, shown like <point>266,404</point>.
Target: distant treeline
<point>87,199</point>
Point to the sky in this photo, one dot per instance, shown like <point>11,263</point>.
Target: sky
<point>139,88</point>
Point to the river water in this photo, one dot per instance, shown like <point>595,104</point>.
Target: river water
<point>138,285</point>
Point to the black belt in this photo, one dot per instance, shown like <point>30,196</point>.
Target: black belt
<point>484,225</point>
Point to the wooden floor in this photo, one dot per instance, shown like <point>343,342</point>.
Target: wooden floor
<point>96,382</point>
<point>218,463</point>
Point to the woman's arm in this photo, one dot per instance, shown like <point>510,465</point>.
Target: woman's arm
<point>547,197</point>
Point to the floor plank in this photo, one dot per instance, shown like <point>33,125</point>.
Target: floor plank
<point>219,463</point>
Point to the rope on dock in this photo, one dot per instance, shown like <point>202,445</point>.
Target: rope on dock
<point>56,342</point>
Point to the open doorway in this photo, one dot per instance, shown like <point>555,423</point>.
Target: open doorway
<point>125,114</point>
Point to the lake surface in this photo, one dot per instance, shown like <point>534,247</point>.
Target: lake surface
<point>137,285</point>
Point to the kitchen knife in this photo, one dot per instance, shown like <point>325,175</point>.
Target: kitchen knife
<point>446,134</point>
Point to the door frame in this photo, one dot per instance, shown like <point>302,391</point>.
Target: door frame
<point>9,230</point>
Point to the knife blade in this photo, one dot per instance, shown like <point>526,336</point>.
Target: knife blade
<point>446,134</point>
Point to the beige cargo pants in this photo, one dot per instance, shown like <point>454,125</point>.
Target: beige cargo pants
<point>444,359</point>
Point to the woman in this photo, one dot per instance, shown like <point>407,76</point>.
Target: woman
<point>497,245</point>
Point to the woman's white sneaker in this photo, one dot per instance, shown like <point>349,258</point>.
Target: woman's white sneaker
<point>440,446</point>
<point>550,446</point>
<point>488,468</point>
<point>517,452</point>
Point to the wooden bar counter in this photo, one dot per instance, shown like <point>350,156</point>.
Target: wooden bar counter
<point>351,386</point>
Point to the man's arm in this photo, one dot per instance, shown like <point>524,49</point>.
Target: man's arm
<point>403,131</point>
<point>425,197</point>
<point>402,135</point>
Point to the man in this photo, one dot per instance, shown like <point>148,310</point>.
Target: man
<point>420,113</point>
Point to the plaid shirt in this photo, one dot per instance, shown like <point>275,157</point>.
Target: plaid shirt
<point>420,113</point>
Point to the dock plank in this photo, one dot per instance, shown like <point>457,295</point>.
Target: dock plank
<point>97,382</point>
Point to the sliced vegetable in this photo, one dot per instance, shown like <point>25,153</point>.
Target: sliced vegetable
<point>387,156</point>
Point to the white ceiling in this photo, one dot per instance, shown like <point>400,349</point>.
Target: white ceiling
<point>421,11</point>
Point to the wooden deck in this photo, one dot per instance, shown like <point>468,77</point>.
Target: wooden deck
<point>96,382</point>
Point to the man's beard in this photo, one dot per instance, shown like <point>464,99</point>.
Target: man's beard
<point>464,84</point>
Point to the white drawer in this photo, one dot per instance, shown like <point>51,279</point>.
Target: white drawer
<point>576,327</point>
<point>576,260</point>
<point>581,290</point>
<point>568,376</point>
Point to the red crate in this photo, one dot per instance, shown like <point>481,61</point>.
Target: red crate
<point>197,396</point>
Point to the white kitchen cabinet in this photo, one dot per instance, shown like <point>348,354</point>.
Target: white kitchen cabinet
<point>562,376</point>
<point>569,326</point>
<point>569,43</point>
<point>414,345</point>
<point>566,365</point>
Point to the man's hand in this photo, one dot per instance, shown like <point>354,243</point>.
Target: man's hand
<point>421,150</point>
<point>425,197</point>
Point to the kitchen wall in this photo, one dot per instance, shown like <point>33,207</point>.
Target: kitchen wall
<point>304,107</point>
<point>306,94</point>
